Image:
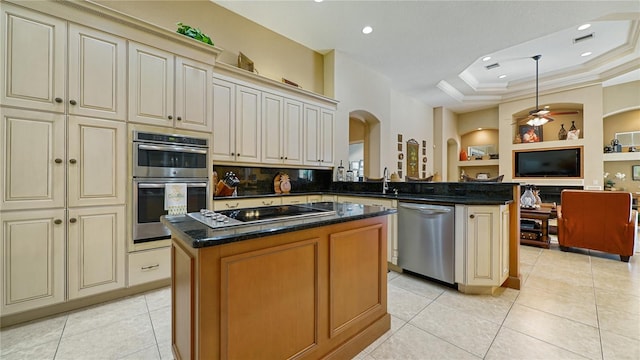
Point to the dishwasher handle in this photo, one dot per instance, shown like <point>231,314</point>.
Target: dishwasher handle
<point>427,209</point>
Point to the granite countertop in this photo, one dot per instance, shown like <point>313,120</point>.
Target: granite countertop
<point>433,199</point>
<point>199,235</point>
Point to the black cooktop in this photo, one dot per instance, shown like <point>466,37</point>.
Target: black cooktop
<point>272,212</point>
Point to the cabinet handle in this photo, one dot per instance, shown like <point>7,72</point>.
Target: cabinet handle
<point>72,102</point>
<point>150,267</point>
<point>58,161</point>
<point>472,216</point>
<point>73,220</point>
<point>232,206</point>
<point>73,161</point>
<point>57,221</point>
<point>170,117</point>
<point>267,203</point>
<point>58,100</point>
<point>179,118</point>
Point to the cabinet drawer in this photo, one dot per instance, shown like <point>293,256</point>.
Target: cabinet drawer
<point>150,265</point>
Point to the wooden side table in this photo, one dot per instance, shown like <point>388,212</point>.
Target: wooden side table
<point>543,215</point>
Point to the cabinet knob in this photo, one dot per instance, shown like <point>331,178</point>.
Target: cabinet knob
<point>233,154</point>
<point>238,154</point>
<point>286,158</point>
<point>73,220</point>
<point>179,118</point>
<point>58,161</point>
<point>57,221</point>
<point>281,157</point>
<point>170,117</point>
<point>73,161</point>
<point>472,216</point>
<point>72,102</point>
<point>58,100</point>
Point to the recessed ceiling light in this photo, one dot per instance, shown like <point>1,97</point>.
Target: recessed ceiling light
<point>318,0</point>
<point>584,26</point>
<point>479,129</point>
<point>502,76</point>
<point>586,53</point>
<point>367,30</point>
<point>486,58</point>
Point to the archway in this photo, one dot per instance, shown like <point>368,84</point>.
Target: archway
<point>364,132</point>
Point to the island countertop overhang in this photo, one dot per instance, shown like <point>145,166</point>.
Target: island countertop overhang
<point>199,235</point>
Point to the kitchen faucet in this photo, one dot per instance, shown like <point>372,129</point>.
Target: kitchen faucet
<point>385,184</point>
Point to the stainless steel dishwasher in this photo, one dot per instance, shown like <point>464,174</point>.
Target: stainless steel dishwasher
<point>426,240</point>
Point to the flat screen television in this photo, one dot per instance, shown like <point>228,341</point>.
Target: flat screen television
<point>556,163</point>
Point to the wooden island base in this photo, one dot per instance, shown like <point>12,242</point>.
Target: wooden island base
<point>308,294</point>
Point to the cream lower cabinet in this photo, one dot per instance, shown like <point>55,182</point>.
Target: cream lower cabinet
<point>392,222</point>
<point>235,203</point>
<point>96,250</point>
<point>33,259</point>
<point>482,247</point>
<point>149,265</point>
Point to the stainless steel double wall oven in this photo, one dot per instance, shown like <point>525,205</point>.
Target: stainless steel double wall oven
<point>159,159</point>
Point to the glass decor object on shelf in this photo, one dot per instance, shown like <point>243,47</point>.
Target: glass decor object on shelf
<point>573,126</point>
<point>340,172</point>
<point>562,133</point>
<point>528,198</point>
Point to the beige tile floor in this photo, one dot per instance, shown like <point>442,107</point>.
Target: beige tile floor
<point>572,306</point>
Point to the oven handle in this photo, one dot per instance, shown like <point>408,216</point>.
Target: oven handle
<point>156,185</point>
<point>171,148</point>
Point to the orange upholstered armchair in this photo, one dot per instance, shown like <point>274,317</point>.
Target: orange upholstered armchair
<point>597,220</point>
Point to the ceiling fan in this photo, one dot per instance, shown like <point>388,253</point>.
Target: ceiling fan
<point>539,117</point>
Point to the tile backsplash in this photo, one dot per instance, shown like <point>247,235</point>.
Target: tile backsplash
<point>260,180</point>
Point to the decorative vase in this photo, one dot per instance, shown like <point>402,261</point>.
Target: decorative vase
<point>573,126</point>
<point>517,139</point>
<point>562,134</point>
<point>463,155</point>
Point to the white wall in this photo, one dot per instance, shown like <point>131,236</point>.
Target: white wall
<point>359,88</point>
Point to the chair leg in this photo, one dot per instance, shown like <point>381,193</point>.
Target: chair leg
<point>624,258</point>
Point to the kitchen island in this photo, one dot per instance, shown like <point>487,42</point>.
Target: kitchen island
<point>305,287</point>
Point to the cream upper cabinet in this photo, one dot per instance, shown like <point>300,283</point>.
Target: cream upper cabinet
<point>33,259</point>
<point>33,160</point>
<point>272,128</point>
<point>33,60</point>
<point>97,248</point>
<point>248,124</point>
<point>224,120</point>
<point>237,122</point>
<point>326,140</point>
<point>482,245</point>
<point>151,80</point>
<point>319,137</point>
<point>193,95</point>
<point>153,98</point>
<point>282,130</point>
<point>97,74</point>
<point>97,162</point>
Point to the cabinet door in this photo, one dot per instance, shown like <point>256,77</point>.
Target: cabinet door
<point>97,162</point>
<point>32,248</point>
<point>483,245</point>
<point>248,123</point>
<point>293,132</point>
<point>325,131</point>
<point>151,76</point>
<point>193,95</point>
<point>32,153</point>
<point>33,60</point>
<point>272,129</point>
<point>311,144</point>
<point>97,249</point>
<point>224,119</point>
<point>229,204</point>
<point>97,74</point>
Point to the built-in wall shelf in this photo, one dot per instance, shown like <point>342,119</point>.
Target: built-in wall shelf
<point>621,156</point>
<point>478,163</point>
